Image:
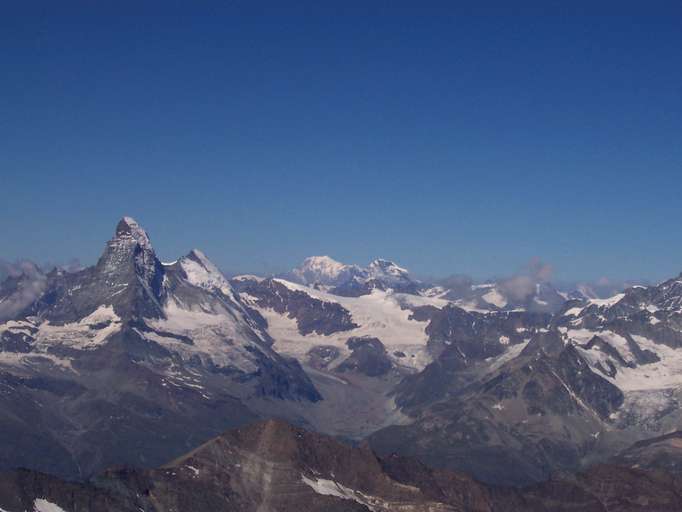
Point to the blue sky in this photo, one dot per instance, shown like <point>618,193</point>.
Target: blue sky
<point>452,137</point>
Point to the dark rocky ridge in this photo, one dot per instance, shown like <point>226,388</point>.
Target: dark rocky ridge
<point>312,315</point>
<point>273,467</point>
<point>322,356</point>
<point>517,425</point>
<point>461,342</point>
<point>368,357</point>
<point>357,287</point>
<point>658,453</point>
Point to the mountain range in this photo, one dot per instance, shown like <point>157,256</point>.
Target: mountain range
<point>359,388</point>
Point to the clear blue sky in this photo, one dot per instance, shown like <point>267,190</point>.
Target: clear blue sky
<point>451,137</point>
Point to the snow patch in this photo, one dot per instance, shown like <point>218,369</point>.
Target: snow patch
<point>663,374</point>
<point>88,333</point>
<point>495,298</point>
<point>248,277</point>
<point>608,302</point>
<point>42,505</point>
<point>203,273</point>
<point>378,314</point>
<point>332,488</point>
<point>509,354</point>
<point>217,337</point>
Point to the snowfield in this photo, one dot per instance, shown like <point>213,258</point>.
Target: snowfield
<point>378,314</point>
<point>41,505</point>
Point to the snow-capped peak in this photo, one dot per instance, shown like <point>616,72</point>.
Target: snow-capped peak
<point>202,272</point>
<point>324,265</point>
<point>323,270</point>
<point>381,267</point>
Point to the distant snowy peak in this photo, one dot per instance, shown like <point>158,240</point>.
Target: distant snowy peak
<point>324,270</point>
<point>514,294</point>
<point>385,269</point>
<point>323,265</point>
<point>657,302</point>
<point>353,280</point>
<point>631,338</point>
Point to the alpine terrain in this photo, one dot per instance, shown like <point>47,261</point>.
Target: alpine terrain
<point>137,384</point>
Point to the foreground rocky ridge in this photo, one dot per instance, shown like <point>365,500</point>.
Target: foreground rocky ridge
<point>272,466</point>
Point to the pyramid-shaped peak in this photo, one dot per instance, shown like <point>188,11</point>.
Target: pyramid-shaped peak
<point>129,245</point>
<point>128,227</point>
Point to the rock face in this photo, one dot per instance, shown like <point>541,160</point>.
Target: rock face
<point>322,356</point>
<point>534,414</point>
<point>368,357</point>
<point>128,277</point>
<point>271,466</point>
<point>512,397</point>
<point>311,315</point>
<point>131,361</point>
<point>658,453</point>
<point>464,345</point>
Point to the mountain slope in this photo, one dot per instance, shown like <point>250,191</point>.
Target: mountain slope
<point>534,414</point>
<point>598,376</point>
<point>132,361</point>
